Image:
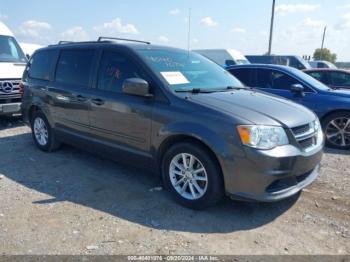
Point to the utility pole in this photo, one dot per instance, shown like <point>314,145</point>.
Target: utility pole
<point>271,26</point>
<point>323,38</point>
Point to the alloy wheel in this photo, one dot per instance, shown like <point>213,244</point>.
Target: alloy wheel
<point>338,132</point>
<point>40,131</point>
<point>188,176</point>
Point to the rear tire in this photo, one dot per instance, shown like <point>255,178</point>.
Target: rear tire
<point>43,135</point>
<point>337,130</point>
<point>198,183</point>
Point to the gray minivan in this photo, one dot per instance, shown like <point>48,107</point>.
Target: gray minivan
<point>176,113</point>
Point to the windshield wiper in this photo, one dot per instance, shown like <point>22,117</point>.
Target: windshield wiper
<point>194,91</point>
<point>199,90</point>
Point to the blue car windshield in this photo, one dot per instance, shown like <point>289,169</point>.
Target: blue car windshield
<point>186,71</point>
<point>309,79</point>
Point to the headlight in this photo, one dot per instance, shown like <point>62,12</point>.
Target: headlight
<point>262,137</point>
<point>318,128</point>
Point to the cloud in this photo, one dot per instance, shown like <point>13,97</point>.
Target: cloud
<point>284,9</point>
<point>238,30</point>
<point>343,6</point>
<point>76,33</point>
<point>116,26</point>
<point>163,39</point>
<point>344,23</point>
<point>3,16</point>
<point>174,12</point>
<point>208,21</point>
<point>313,23</point>
<point>34,29</point>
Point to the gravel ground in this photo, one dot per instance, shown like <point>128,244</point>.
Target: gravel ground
<point>74,202</point>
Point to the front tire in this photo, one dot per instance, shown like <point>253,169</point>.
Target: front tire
<point>337,130</point>
<point>42,133</point>
<point>192,176</point>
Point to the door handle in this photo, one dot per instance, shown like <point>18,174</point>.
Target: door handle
<point>97,101</point>
<point>81,98</point>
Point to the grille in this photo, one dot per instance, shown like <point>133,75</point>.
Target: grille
<point>301,129</point>
<point>6,94</point>
<point>306,136</point>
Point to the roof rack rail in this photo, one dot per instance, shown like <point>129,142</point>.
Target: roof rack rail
<point>65,42</point>
<point>101,38</point>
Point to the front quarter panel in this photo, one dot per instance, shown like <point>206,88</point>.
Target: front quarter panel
<point>216,132</point>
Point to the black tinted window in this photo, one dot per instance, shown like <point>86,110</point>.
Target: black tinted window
<point>340,79</point>
<point>244,75</point>
<point>40,64</point>
<point>316,75</point>
<point>74,66</point>
<point>275,79</point>
<point>114,68</point>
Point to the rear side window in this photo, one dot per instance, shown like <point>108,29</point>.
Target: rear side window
<point>41,63</point>
<point>275,79</point>
<point>244,75</point>
<point>114,69</point>
<point>74,66</point>
<point>340,79</point>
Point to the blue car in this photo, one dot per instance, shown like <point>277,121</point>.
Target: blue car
<point>332,106</point>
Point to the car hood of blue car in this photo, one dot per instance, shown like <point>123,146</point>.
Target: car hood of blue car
<point>339,92</point>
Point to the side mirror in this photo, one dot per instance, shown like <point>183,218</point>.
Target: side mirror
<point>297,89</point>
<point>136,87</point>
<point>28,56</point>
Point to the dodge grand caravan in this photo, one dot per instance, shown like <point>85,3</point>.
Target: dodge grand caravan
<point>173,111</point>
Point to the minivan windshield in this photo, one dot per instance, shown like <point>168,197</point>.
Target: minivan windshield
<point>186,71</point>
<point>10,51</point>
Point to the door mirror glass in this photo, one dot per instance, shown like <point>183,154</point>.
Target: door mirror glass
<point>136,87</point>
<point>297,89</point>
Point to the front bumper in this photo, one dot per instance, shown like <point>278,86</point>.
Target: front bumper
<point>271,175</point>
<point>11,108</point>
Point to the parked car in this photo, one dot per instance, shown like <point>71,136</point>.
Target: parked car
<point>172,111</point>
<point>292,61</point>
<point>331,106</point>
<point>224,57</point>
<point>334,78</point>
<point>322,64</point>
<point>12,64</point>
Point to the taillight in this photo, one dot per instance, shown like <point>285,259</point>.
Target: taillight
<point>20,88</point>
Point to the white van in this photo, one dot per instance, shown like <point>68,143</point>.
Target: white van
<point>224,57</point>
<point>12,64</point>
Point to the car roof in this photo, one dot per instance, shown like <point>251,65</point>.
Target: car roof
<point>266,66</point>
<point>326,70</point>
<point>128,45</point>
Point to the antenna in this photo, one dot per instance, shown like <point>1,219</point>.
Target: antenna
<point>189,30</point>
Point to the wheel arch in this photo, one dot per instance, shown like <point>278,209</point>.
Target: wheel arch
<point>182,138</point>
<point>333,112</point>
<point>35,107</point>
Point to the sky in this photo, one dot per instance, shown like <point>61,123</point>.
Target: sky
<point>239,24</point>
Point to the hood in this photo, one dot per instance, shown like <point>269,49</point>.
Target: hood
<point>340,92</point>
<point>11,70</point>
<point>257,107</point>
